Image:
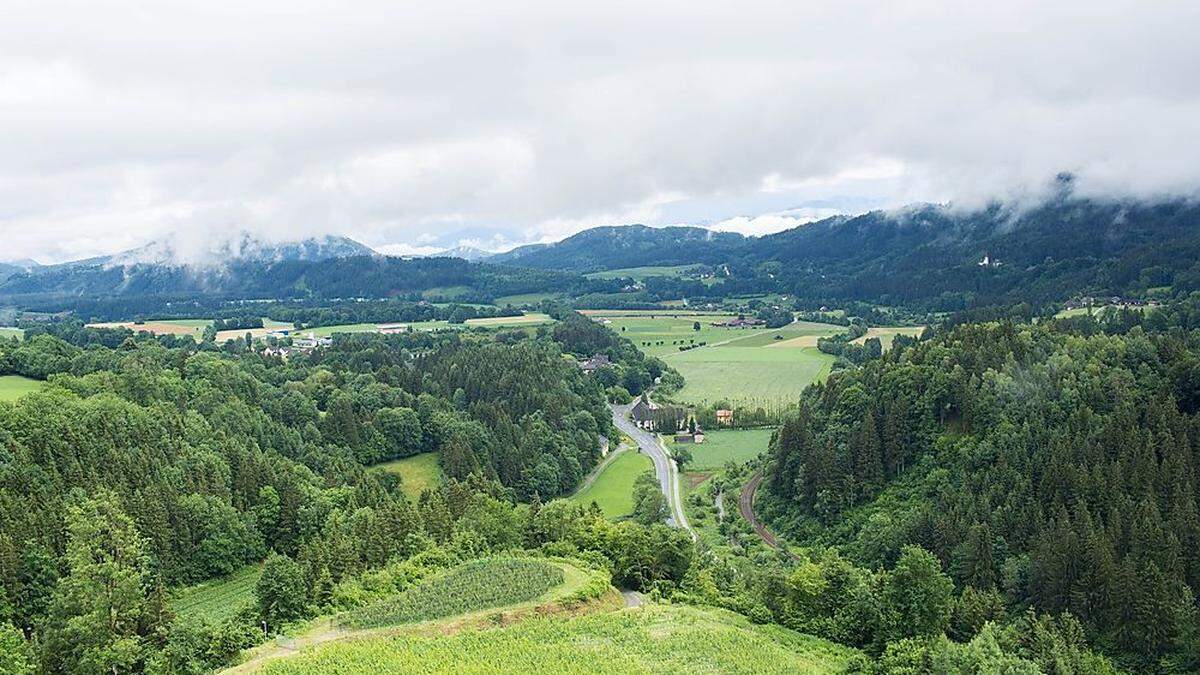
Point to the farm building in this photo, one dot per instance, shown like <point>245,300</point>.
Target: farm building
<point>595,363</point>
<point>653,417</point>
<point>725,417</point>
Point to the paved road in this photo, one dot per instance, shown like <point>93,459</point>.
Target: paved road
<point>664,466</point>
<point>746,506</point>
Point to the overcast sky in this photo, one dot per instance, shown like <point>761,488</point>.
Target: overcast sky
<point>499,123</point>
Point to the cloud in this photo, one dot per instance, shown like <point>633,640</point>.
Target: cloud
<point>401,124</point>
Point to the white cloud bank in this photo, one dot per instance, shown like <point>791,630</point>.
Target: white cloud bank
<point>429,125</point>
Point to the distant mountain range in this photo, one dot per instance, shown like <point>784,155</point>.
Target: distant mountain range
<point>933,256</point>
<point>614,247</point>
<point>927,254</point>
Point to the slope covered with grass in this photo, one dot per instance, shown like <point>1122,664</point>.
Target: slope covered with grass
<point>652,638</point>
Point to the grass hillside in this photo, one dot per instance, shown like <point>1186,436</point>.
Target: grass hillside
<point>612,488</point>
<point>652,638</point>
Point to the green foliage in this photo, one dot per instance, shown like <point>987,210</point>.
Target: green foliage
<point>101,611</point>
<point>280,594</point>
<point>671,638</point>
<point>476,585</point>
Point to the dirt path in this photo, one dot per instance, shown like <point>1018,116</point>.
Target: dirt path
<point>719,500</point>
<point>746,506</point>
<point>633,598</point>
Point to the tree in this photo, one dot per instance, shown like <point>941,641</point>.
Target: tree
<point>15,655</point>
<point>918,596</point>
<point>695,326</point>
<point>100,615</point>
<point>280,593</point>
<point>682,455</point>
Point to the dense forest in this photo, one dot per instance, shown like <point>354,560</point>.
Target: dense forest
<point>1049,466</point>
<point>923,256</point>
<point>165,465</point>
<point>354,277</point>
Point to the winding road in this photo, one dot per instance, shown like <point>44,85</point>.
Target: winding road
<point>746,506</point>
<point>664,466</point>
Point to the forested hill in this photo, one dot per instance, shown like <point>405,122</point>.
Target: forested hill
<point>362,276</point>
<point>924,255</point>
<point>610,247</point>
<point>934,255</point>
<point>1051,466</point>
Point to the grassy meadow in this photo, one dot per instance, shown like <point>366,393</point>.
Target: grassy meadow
<point>525,299</point>
<point>8,332</point>
<point>726,445</point>
<point>647,639</point>
<point>13,387</point>
<point>612,489</point>
<point>746,365</point>
<point>219,599</point>
<point>417,473</point>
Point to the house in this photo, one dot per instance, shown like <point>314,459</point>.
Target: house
<point>595,363</point>
<point>740,322</point>
<point>725,417</point>
<point>686,437</point>
<point>653,417</point>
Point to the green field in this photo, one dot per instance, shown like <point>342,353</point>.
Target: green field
<point>219,599</point>
<point>748,375</point>
<point>13,387</point>
<point>7,332</point>
<point>417,473</point>
<point>743,365</point>
<point>528,319</point>
<point>726,445</point>
<point>640,273</point>
<point>446,292</point>
<point>327,331</point>
<point>647,639</point>
<point>612,489</point>
<point>480,584</point>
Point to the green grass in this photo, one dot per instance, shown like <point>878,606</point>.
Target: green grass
<point>481,584</point>
<point>749,375</point>
<point>327,331</point>
<point>417,473</point>
<point>613,488</point>
<point>727,445</point>
<point>6,332</point>
<point>640,273</point>
<point>887,334</point>
<point>528,319</point>
<point>13,387</point>
<point>219,599</point>
<point>649,639</point>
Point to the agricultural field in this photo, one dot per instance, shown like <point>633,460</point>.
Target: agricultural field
<point>888,333</point>
<point>7,332</point>
<point>746,365</point>
<point>193,327</point>
<point>417,473</point>
<point>219,599</point>
<point>727,445</point>
<point>481,584</point>
<point>651,638</point>
<point>748,375</point>
<point>528,319</point>
<point>13,387</point>
<point>612,488</point>
<point>641,273</point>
<point>255,333</point>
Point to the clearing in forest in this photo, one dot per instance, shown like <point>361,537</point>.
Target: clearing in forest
<point>417,473</point>
<point>13,387</point>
